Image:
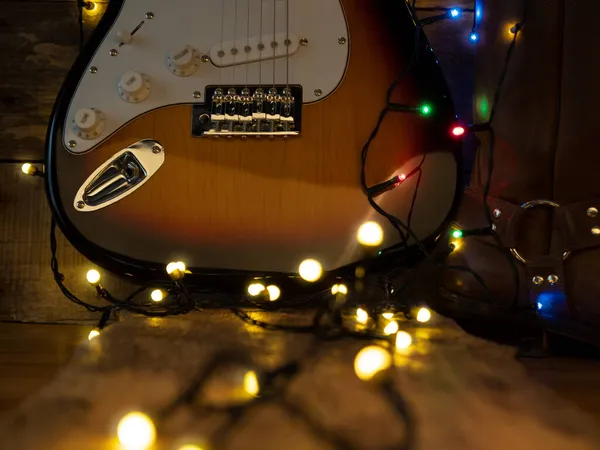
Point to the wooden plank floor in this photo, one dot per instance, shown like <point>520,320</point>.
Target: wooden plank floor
<point>446,374</point>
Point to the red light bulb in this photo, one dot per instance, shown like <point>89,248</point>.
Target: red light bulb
<point>402,177</point>
<point>458,131</point>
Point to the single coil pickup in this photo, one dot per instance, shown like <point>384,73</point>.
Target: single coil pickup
<point>254,49</point>
<point>249,110</point>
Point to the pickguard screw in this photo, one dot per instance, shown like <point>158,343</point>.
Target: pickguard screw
<point>496,213</point>
<point>592,212</point>
<point>303,41</point>
<point>72,144</point>
<point>203,118</point>
<point>552,279</point>
<point>287,42</point>
<point>205,58</point>
<point>197,94</point>
<point>230,137</point>
<point>537,280</point>
<point>318,92</point>
<point>221,53</point>
<point>261,46</point>
<point>247,49</point>
<point>156,149</point>
<point>149,15</point>
<point>113,52</point>
<point>93,69</point>
<point>234,51</point>
<point>274,44</point>
<point>80,204</point>
<point>342,40</point>
<point>244,137</point>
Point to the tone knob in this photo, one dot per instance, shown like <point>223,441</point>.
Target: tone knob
<point>88,123</point>
<point>134,87</point>
<point>183,61</point>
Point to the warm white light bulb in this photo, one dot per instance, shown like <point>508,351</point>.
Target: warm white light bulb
<point>342,289</point>
<point>388,315</point>
<point>28,169</point>
<point>370,234</point>
<point>274,292</point>
<point>370,361</point>
<point>403,340</point>
<point>136,431</point>
<point>362,316</point>
<point>94,333</point>
<point>423,315</point>
<point>255,288</point>
<point>391,328</point>
<point>176,270</point>
<point>251,385</point>
<point>190,447</point>
<point>157,295</point>
<point>310,270</point>
<point>92,276</point>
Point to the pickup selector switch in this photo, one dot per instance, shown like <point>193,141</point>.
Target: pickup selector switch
<point>88,123</point>
<point>134,87</point>
<point>183,61</point>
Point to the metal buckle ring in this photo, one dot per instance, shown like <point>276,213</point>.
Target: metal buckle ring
<point>529,205</point>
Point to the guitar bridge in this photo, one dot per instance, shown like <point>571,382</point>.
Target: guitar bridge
<point>234,111</point>
<point>118,177</point>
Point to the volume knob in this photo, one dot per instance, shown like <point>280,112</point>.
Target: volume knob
<point>134,87</point>
<point>88,123</point>
<point>183,61</point>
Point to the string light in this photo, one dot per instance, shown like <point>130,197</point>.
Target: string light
<point>425,109</point>
<point>474,36</point>
<point>30,169</point>
<point>458,130</point>
<point>339,289</point>
<point>94,333</point>
<point>274,292</point>
<point>92,276</point>
<point>424,315</point>
<point>370,361</point>
<point>251,385</point>
<point>176,270</point>
<point>136,431</point>
<point>403,340</point>
<point>157,295</point>
<point>362,316</point>
<point>255,288</point>
<point>310,270</point>
<point>457,234</point>
<point>190,447</point>
<point>388,315</point>
<point>455,13</point>
<point>456,244</point>
<point>370,234</point>
<point>391,328</point>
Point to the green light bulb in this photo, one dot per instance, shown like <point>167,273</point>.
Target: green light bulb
<point>457,234</point>
<point>425,109</point>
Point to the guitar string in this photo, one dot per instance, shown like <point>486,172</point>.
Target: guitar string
<point>247,46</point>
<point>221,53</point>
<point>260,45</point>
<point>274,43</point>
<point>235,17</point>
<point>287,43</point>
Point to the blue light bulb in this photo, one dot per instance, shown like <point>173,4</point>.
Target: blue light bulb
<point>454,13</point>
<point>474,37</point>
<point>478,12</point>
<point>539,305</point>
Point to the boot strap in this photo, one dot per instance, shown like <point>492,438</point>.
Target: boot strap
<point>578,228</point>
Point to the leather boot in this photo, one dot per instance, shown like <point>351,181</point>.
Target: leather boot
<point>538,252</point>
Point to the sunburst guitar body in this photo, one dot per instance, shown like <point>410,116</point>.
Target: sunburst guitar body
<point>228,134</point>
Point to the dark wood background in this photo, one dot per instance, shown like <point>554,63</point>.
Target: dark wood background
<point>39,40</point>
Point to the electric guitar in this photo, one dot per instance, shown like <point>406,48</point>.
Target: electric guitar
<point>228,134</point>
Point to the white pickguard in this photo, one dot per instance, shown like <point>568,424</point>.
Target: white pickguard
<point>318,66</point>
